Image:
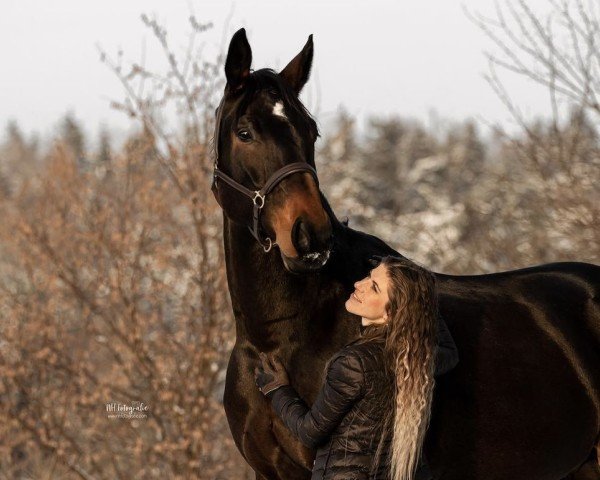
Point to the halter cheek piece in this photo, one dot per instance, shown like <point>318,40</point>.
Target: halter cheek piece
<point>257,197</point>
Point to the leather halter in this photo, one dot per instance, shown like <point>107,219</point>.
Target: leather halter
<point>257,197</point>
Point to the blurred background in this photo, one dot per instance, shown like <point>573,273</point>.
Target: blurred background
<point>476,123</point>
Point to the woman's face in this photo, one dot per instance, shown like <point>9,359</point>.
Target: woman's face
<point>370,296</point>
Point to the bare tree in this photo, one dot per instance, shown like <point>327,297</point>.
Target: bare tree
<point>114,294</point>
<point>553,163</point>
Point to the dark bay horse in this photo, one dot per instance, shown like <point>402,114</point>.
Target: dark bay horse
<point>524,401</point>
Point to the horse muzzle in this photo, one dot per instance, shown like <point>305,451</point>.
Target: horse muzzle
<point>313,249</point>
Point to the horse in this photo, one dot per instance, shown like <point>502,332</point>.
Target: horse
<point>523,402</point>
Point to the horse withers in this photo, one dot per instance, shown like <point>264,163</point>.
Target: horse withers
<point>524,402</point>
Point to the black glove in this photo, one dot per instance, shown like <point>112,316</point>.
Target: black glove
<point>270,375</point>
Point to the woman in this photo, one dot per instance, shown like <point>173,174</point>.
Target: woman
<point>371,414</point>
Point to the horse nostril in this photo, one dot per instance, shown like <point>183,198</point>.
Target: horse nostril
<point>301,236</point>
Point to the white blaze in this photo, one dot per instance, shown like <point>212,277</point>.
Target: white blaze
<point>278,110</point>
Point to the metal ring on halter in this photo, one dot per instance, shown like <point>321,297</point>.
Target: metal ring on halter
<point>262,199</point>
<point>271,244</point>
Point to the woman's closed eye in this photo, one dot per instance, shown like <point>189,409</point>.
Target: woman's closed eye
<point>374,285</point>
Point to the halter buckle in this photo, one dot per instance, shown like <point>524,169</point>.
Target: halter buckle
<point>258,196</point>
<point>271,243</point>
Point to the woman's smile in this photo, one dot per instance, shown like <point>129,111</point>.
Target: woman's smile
<point>370,296</point>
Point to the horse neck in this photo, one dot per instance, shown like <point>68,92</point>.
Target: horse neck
<point>266,300</point>
<point>277,310</point>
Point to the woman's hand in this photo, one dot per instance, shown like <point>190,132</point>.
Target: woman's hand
<point>270,375</point>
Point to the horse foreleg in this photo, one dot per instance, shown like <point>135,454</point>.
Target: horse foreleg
<point>269,449</point>
<point>271,462</point>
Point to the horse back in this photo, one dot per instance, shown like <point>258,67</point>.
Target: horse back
<point>528,379</point>
<point>558,295</point>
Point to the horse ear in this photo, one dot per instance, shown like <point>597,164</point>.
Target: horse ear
<point>296,72</point>
<point>239,59</point>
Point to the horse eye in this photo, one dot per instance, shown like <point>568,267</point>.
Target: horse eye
<point>244,135</point>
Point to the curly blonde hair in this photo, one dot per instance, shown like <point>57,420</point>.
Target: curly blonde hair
<point>410,338</point>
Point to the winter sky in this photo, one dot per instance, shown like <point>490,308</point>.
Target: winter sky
<point>409,58</point>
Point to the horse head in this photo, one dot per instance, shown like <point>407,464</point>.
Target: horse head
<point>265,170</point>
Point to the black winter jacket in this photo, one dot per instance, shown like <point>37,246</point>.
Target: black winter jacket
<point>343,423</point>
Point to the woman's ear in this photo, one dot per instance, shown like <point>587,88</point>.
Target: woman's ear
<point>296,73</point>
<point>239,59</point>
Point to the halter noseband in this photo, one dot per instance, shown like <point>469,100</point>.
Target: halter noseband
<point>257,197</point>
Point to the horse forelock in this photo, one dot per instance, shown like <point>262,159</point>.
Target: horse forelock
<point>267,80</point>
